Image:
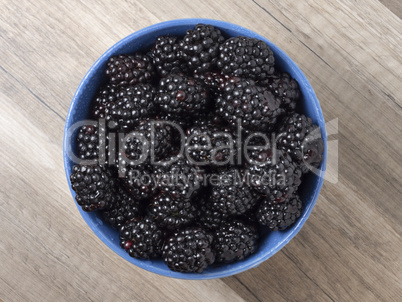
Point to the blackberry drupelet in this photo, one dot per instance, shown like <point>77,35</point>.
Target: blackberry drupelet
<point>246,58</point>
<point>133,69</point>
<point>94,187</point>
<point>200,47</point>
<point>298,137</point>
<point>230,196</point>
<point>234,241</point>
<point>210,145</point>
<point>142,238</point>
<point>279,216</point>
<point>255,106</point>
<point>179,176</point>
<point>171,211</point>
<point>125,208</point>
<point>277,178</point>
<point>131,104</point>
<point>283,86</point>
<point>104,99</point>
<point>166,56</point>
<point>180,95</point>
<point>188,250</point>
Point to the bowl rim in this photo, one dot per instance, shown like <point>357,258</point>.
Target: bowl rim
<point>308,93</point>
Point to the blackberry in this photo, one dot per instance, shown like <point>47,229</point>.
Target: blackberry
<point>216,80</point>
<point>188,250</point>
<point>262,143</point>
<point>283,86</point>
<point>88,142</point>
<point>152,136</point>
<point>131,104</point>
<point>94,187</point>
<point>125,208</point>
<point>200,47</point>
<point>104,99</point>
<point>229,196</point>
<point>138,182</point>
<point>142,238</point>
<point>234,241</point>
<point>279,216</point>
<point>166,56</point>
<point>278,177</point>
<point>172,211</point>
<point>255,106</point>
<point>181,95</point>
<point>208,217</point>
<point>298,137</point>
<point>209,145</point>
<point>177,174</point>
<point>124,70</point>
<point>247,58</point>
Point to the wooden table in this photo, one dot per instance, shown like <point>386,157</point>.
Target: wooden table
<point>350,248</point>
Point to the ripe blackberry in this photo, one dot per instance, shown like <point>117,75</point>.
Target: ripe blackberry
<point>88,142</point>
<point>142,238</point>
<point>178,175</point>
<point>279,216</point>
<point>255,106</point>
<point>278,177</point>
<point>125,208</point>
<point>150,140</point>
<point>298,137</point>
<point>104,99</point>
<point>246,58</point>
<point>216,80</point>
<point>131,104</point>
<point>209,145</point>
<point>229,196</point>
<point>172,211</point>
<point>166,56</point>
<point>181,95</point>
<point>234,241</point>
<point>200,47</point>
<point>124,70</point>
<point>94,187</point>
<point>188,250</point>
<point>283,86</point>
<point>208,217</point>
<point>138,181</point>
<point>259,146</point>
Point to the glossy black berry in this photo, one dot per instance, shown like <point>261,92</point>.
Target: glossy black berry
<point>189,250</point>
<point>142,238</point>
<point>200,47</point>
<point>279,216</point>
<point>124,70</point>
<point>94,187</point>
<point>234,241</point>
<point>246,58</point>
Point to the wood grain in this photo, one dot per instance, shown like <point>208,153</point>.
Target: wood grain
<point>350,248</point>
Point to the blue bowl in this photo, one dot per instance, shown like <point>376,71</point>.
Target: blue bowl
<point>272,242</point>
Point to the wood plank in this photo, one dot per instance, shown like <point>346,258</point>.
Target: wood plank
<point>394,6</point>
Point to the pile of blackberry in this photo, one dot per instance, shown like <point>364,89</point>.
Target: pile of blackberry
<point>165,161</point>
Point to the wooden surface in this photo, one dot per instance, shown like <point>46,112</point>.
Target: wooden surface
<point>350,248</point>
